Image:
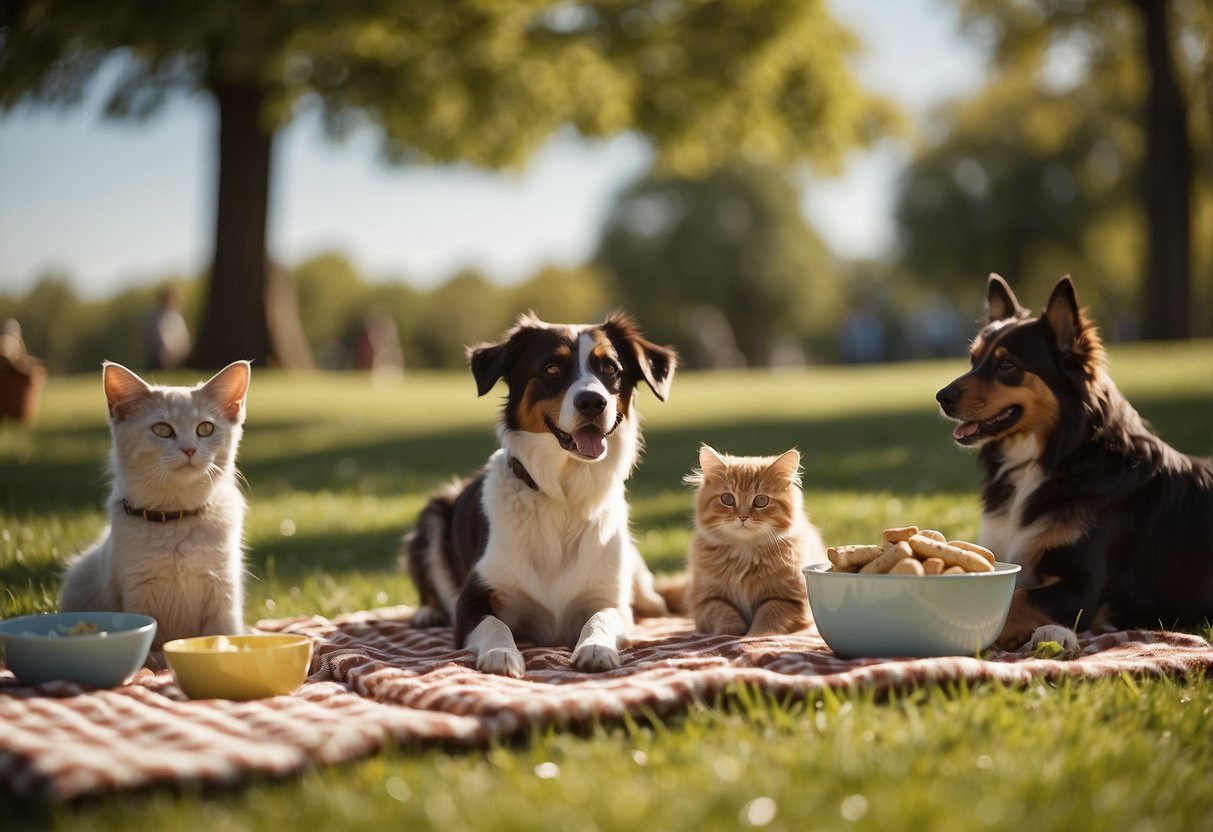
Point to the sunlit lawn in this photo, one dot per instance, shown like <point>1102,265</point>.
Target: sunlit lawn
<point>338,468</point>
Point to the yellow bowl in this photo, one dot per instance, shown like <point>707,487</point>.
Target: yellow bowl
<point>239,667</point>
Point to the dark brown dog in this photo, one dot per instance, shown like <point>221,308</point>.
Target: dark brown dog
<point>1113,527</point>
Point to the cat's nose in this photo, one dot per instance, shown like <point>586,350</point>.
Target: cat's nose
<point>189,452</point>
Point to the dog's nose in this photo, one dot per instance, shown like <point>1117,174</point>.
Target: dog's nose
<point>589,404</point>
<point>948,396</point>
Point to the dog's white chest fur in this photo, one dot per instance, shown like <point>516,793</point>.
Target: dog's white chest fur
<point>559,552</point>
<point>1002,531</point>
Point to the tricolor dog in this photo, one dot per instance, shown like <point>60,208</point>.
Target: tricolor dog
<point>1113,527</point>
<point>536,547</point>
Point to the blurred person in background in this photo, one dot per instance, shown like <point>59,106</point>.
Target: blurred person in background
<point>166,338</point>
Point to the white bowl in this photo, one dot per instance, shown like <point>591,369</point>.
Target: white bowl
<point>909,615</point>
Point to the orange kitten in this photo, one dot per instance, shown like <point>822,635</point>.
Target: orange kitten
<point>751,540</point>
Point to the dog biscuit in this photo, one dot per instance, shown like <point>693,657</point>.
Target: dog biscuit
<point>901,533</point>
<point>908,566</point>
<point>934,534</point>
<point>852,556</point>
<point>927,547</point>
<point>974,548</point>
<point>888,556</point>
<point>954,570</point>
<point>933,566</point>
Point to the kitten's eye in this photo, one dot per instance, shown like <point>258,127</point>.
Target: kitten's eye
<point>728,499</point>
<point>206,428</point>
<point>164,430</point>
<point>761,501</point>
<point>551,370</point>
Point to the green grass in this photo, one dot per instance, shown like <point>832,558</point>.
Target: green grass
<point>337,470</point>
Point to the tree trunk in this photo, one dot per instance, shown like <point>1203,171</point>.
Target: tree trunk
<point>1167,191</point>
<point>235,324</point>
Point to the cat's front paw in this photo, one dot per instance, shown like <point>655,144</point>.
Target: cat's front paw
<point>595,658</point>
<point>501,661</point>
<point>724,627</point>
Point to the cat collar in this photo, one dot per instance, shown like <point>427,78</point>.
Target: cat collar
<point>153,516</point>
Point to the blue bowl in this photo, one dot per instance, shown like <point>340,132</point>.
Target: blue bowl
<point>868,616</point>
<point>37,648</point>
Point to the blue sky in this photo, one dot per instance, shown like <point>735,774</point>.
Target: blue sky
<point>111,204</point>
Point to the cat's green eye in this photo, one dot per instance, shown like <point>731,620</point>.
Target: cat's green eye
<point>761,501</point>
<point>728,499</point>
<point>164,430</point>
<point>206,428</point>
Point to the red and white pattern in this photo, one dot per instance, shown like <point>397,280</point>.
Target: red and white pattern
<point>376,680</point>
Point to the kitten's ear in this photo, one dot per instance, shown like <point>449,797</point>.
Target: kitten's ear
<point>709,460</point>
<point>229,387</point>
<point>1001,302</point>
<point>122,389</point>
<point>787,467</point>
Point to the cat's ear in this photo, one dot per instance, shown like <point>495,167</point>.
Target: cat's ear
<point>122,389</point>
<point>229,387</point>
<point>710,461</point>
<point>787,467</point>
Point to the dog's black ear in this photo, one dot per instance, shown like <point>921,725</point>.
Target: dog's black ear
<point>1001,302</point>
<point>1075,334</point>
<point>489,362</point>
<point>1063,315</point>
<point>655,363</point>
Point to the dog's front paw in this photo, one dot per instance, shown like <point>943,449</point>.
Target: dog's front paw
<point>501,661</point>
<point>1053,641</point>
<point>428,616</point>
<point>595,658</point>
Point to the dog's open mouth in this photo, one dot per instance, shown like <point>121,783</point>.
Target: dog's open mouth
<point>587,441</point>
<point>970,433</point>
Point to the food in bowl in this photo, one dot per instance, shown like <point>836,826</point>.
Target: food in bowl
<point>870,615</point>
<point>80,628</point>
<point>97,649</point>
<point>908,551</point>
<point>250,666</point>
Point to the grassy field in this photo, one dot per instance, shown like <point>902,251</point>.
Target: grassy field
<point>337,469</point>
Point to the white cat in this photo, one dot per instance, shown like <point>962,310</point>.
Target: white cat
<point>173,547</point>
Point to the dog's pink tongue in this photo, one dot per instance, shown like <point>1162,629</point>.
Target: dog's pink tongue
<point>966,429</point>
<point>590,442</point>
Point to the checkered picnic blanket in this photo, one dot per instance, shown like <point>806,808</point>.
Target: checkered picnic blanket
<point>376,680</point>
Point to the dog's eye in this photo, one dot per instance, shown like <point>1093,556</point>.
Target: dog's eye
<point>164,430</point>
<point>609,369</point>
<point>1006,366</point>
<point>728,499</point>
<point>206,428</point>
<point>552,370</point>
<point>761,501</point>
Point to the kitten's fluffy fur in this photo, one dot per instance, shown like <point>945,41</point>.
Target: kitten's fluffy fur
<point>186,573</point>
<point>751,541</point>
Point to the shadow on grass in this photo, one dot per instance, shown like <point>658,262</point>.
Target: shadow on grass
<point>899,451</point>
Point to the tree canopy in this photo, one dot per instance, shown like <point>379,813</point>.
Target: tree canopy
<point>733,247</point>
<point>484,82</point>
<point>1089,152</point>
